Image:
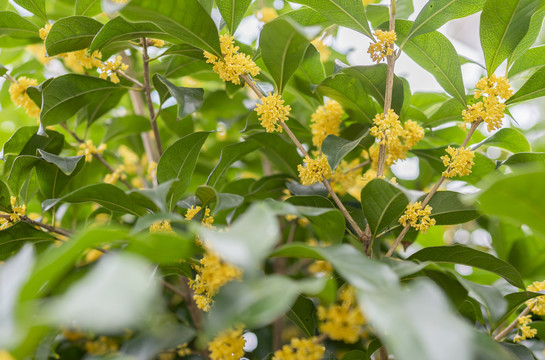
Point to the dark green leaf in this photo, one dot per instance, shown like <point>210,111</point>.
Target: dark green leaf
<point>488,296</point>
<point>336,148</point>
<point>514,301</point>
<point>303,314</point>
<point>67,94</point>
<point>70,34</point>
<point>20,170</point>
<point>230,154</point>
<point>507,138</point>
<point>189,99</point>
<point>5,195</point>
<point>504,23</point>
<point>233,11</point>
<point>126,125</point>
<point>533,88</point>
<point>448,209</point>
<point>519,350</point>
<point>186,20</point>
<point>16,26</point>
<point>382,204</point>
<point>356,355</point>
<point>25,141</point>
<point>179,161</point>
<point>283,154</point>
<point>347,13</point>
<point>459,254</point>
<point>66,164</point>
<point>282,49</point>
<point>14,237</point>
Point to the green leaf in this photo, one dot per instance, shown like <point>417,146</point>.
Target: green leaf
<point>178,162</point>
<point>533,58</point>
<point>436,13</point>
<point>16,26</point>
<point>5,197</point>
<point>533,88</point>
<point>450,110</point>
<point>119,29</point>
<point>233,11</point>
<point>163,248</point>
<point>70,34</point>
<point>514,301</point>
<point>519,350</point>
<point>303,314</point>
<point>19,172</point>
<point>524,158</point>
<point>336,148</point>
<point>350,263</point>
<point>382,204</point>
<point>435,53</point>
<point>37,7</point>
<point>459,254</point>
<point>186,20</point>
<point>126,125</point>
<point>347,13</point>
<point>25,141</point>
<point>54,173</point>
<point>504,23</point>
<point>189,99</point>
<point>282,49</point>
<point>507,138</point>
<point>448,209</point>
<point>529,39</point>
<point>88,7</point>
<point>282,153</point>
<point>305,16</point>
<point>508,197</point>
<point>67,94</point>
<point>66,164</point>
<point>490,297</point>
<point>109,196</point>
<point>356,355</point>
<point>230,154</point>
<point>14,237</point>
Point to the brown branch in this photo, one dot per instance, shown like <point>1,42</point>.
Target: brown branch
<point>383,353</point>
<point>147,91</point>
<point>511,326</point>
<point>432,191</point>
<point>130,78</point>
<point>49,228</point>
<point>194,311</point>
<point>357,167</point>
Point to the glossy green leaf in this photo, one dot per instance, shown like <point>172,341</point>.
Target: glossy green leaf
<point>533,88</point>
<point>25,141</point>
<point>533,58</point>
<point>350,263</point>
<point>450,110</point>
<point>179,161</point>
<point>5,195</point>
<point>436,13</point>
<point>20,170</point>
<point>514,302</point>
<point>119,29</point>
<point>306,16</point>
<point>233,11</point>
<point>282,153</point>
<point>336,148</point>
<point>282,48</point>
<point>54,173</point>
<point>16,26</point>
<point>508,198</point>
<point>37,7</point>
<point>70,34</point>
<point>66,164</point>
<point>67,94</point>
<point>520,351</point>
<point>435,53</point>
<point>88,7</point>
<point>459,254</point>
<point>509,139</point>
<point>448,209</point>
<point>126,125</point>
<point>382,204</point>
<point>222,201</point>
<point>504,23</point>
<point>347,13</point>
<point>524,158</point>
<point>14,237</point>
<point>531,36</point>
<point>303,314</point>
<point>186,20</point>
<point>230,154</point>
<point>189,99</point>
<point>109,196</point>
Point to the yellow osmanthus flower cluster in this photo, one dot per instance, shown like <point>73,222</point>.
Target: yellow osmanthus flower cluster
<point>156,42</point>
<point>526,332</point>
<point>325,121</point>
<point>101,346</point>
<point>131,161</point>
<point>161,227</point>
<point>342,321</point>
<point>89,149</point>
<point>207,219</point>
<point>212,274</point>
<point>384,46</point>
<point>300,349</point>
<point>322,48</point>
<point>459,162</point>
<point>18,212</point>
<point>345,180</point>
<point>38,50</point>
<point>45,31</point>
<point>493,92</point>
<point>417,217</point>
<point>227,345</point>
<point>266,14</point>
<point>109,68</point>
<point>17,92</point>
<point>118,174</point>
<point>397,138</point>
<point>320,267</point>
<point>271,111</point>
<point>537,304</point>
<point>81,60</point>
<point>315,170</point>
<point>233,64</point>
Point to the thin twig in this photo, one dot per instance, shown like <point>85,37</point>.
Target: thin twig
<point>172,288</point>
<point>28,220</point>
<point>432,191</point>
<point>383,353</point>
<point>507,330</point>
<point>357,167</point>
<point>130,78</point>
<point>147,91</point>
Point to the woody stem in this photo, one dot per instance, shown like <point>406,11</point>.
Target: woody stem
<point>511,326</point>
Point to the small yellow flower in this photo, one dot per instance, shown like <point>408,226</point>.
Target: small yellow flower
<point>271,111</point>
<point>319,267</point>
<point>152,169</point>
<point>267,14</point>
<point>300,349</point>
<point>79,60</point>
<point>324,51</point>
<point>344,179</point>
<point>386,127</point>
<point>384,46</point>
<point>229,344</point>
<point>109,68</point>
<point>315,170</point>
<point>156,42</point>
<point>459,163</point>
<point>233,64</point>
<point>116,175</point>
<point>325,121</point>
<point>537,304</point>
<point>417,217</point>
<point>17,92</point>
<point>102,346</point>
<point>191,212</point>
<point>18,210</point>
<point>161,227</point>
<point>526,331</point>
<point>45,31</point>
<point>89,149</point>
